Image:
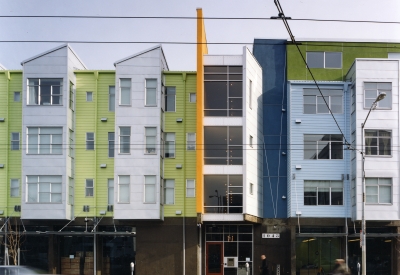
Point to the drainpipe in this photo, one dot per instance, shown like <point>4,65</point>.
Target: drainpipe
<point>184,174</point>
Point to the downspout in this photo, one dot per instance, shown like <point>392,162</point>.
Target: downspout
<point>346,205</point>
<point>96,75</point>
<point>6,259</point>
<point>184,174</point>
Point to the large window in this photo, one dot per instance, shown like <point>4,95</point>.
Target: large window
<point>150,136</point>
<point>169,145</point>
<point>378,190</point>
<point>170,98</point>
<point>378,142</point>
<point>89,141</point>
<point>323,192</point>
<point>125,91</point>
<point>45,140</point>
<point>169,191</point>
<point>89,188</point>
<point>123,189</point>
<point>371,92</point>
<point>124,140</point>
<point>111,143</point>
<point>191,141</point>
<point>223,91</point>
<point>190,188</point>
<point>323,147</point>
<point>328,60</point>
<point>45,91</point>
<point>223,193</point>
<point>14,188</point>
<point>151,92</point>
<point>314,103</point>
<point>150,189</point>
<point>110,197</point>
<point>223,145</point>
<point>15,141</point>
<point>44,189</point>
<point>111,98</point>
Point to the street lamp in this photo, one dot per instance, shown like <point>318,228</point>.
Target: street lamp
<point>363,233</point>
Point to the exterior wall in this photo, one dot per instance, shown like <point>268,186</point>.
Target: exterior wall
<point>304,169</point>
<point>376,70</point>
<point>88,119</point>
<point>137,164</point>
<point>185,84</point>
<point>56,63</point>
<point>271,54</point>
<point>10,82</point>
<point>252,125</point>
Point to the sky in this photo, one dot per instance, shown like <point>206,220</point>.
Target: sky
<point>101,56</point>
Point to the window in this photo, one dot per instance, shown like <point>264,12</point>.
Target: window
<point>71,96</point>
<point>45,140</point>
<point>151,92</point>
<point>89,141</point>
<point>169,191</point>
<point>328,60</point>
<point>323,147</point>
<point>151,134</point>
<point>71,151</point>
<point>14,141</point>
<point>323,192</point>
<point>17,96</point>
<point>191,141</point>
<point>250,94</point>
<point>223,92</point>
<point>14,188</point>
<point>111,144</point>
<point>223,145</point>
<point>110,191</point>
<point>371,92</point>
<point>45,91</point>
<point>44,189</point>
<point>89,188</point>
<point>251,141</point>
<point>314,103</point>
<point>111,98</point>
<point>150,189</point>
<point>378,142</point>
<point>251,188</point>
<point>192,97</point>
<point>89,96</point>
<point>123,189</point>
<point>125,91</point>
<point>124,140</point>
<point>190,188</point>
<point>169,145</point>
<point>71,183</point>
<point>170,95</point>
<point>223,194</point>
<point>378,190</point>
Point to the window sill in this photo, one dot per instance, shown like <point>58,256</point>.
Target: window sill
<point>378,156</point>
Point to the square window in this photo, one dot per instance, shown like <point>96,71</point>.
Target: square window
<point>323,192</point>
<point>378,142</point>
<point>378,190</point>
<point>45,91</point>
<point>45,140</point>
<point>44,189</point>
<point>371,92</point>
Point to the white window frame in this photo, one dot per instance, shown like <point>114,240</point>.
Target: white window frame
<point>192,97</point>
<point>90,144</point>
<point>111,144</point>
<point>316,145</point>
<point>38,88</point>
<point>89,188</point>
<point>71,184</point>
<point>150,91</point>
<point>190,188</point>
<point>36,148</point>
<point>324,60</point>
<point>379,186</point>
<point>150,183</point>
<point>378,143</point>
<point>124,182</point>
<point>15,141</point>
<point>110,191</point>
<point>330,187</point>
<point>169,147</point>
<point>169,191</point>
<point>55,183</point>
<point>126,91</point>
<point>190,144</point>
<point>378,90</point>
<point>89,96</point>
<point>150,150</point>
<point>122,140</point>
<point>14,188</point>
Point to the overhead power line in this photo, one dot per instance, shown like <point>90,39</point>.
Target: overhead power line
<point>194,18</point>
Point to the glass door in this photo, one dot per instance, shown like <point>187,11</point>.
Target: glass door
<point>214,258</point>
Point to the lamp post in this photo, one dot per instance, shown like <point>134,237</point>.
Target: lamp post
<point>363,229</point>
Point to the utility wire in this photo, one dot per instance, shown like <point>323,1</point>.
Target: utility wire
<point>195,18</point>
<point>282,15</point>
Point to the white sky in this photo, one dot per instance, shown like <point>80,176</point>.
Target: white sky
<point>181,57</point>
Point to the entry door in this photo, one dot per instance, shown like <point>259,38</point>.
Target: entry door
<point>214,258</point>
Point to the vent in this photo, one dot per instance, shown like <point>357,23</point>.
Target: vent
<point>86,208</point>
<point>17,208</point>
<point>110,208</point>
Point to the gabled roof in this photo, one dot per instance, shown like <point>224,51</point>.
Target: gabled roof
<point>142,52</point>
<point>53,50</point>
